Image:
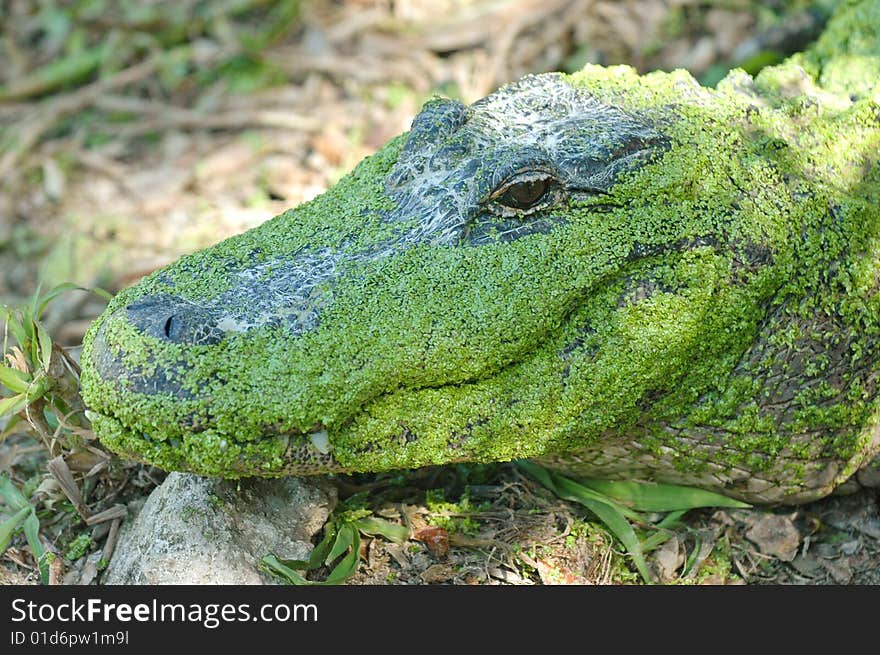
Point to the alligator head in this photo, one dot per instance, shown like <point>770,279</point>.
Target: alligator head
<point>571,267</point>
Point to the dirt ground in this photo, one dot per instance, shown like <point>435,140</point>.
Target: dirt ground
<point>170,143</point>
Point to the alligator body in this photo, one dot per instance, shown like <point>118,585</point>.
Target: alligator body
<point>619,275</point>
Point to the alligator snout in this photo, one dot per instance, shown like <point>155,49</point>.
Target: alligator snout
<point>173,319</point>
<point>163,317</point>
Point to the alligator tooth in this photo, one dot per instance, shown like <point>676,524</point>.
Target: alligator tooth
<point>321,441</point>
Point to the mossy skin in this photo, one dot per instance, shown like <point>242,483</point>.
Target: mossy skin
<point>696,303</point>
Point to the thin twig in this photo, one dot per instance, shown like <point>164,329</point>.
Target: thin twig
<point>161,117</point>
<point>115,512</point>
<point>49,112</point>
<point>110,544</point>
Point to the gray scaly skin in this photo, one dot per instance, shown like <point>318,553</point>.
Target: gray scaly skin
<point>619,275</point>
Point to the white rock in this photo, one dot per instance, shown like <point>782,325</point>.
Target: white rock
<point>195,530</point>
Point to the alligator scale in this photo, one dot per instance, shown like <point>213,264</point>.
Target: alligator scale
<point>619,275</point>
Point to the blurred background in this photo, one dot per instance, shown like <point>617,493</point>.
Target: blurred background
<point>134,131</point>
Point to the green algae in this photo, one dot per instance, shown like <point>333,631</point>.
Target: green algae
<point>760,228</point>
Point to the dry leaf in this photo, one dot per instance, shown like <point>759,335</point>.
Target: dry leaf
<point>436,539</point>
<point>775,535</point>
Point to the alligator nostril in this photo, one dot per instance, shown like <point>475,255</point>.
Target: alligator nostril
<point>173,319</point>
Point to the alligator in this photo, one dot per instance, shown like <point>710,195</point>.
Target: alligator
<point>617,275</point>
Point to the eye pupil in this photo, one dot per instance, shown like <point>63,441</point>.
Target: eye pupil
<point>523,195</point>
<point>527,193</point>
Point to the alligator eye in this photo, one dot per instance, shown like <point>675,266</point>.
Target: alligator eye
<point>526,192</point>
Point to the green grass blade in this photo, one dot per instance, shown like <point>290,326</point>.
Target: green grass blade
<point>15,324</point>
<point>613,502</point>
<point>671,520</point>
<point>541,474</point>
<point>319,553</point>
<point>373,525</point>
<point>655,540</point>
<point>30,346</point>
<point>611,516</point>
<point>272,565</point>
<point>11,426</point>
<point>10,493</point>
<point>101,293</point>
<point>316,557</point>
<point>32,532</point>
<point>45,343</point>
<point>344,539</point>
<point>296,564</point>
<point>692,557</point>
<point>41,303</point>
<point>570,489</point>
<point>654,497</point>
<point>347,567</point>
<point>663,530</point>
<point>13,405</point>
<point>4,318</point>
<point>579,493</point>
<point>14,380</point>
<point>10,525</point>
